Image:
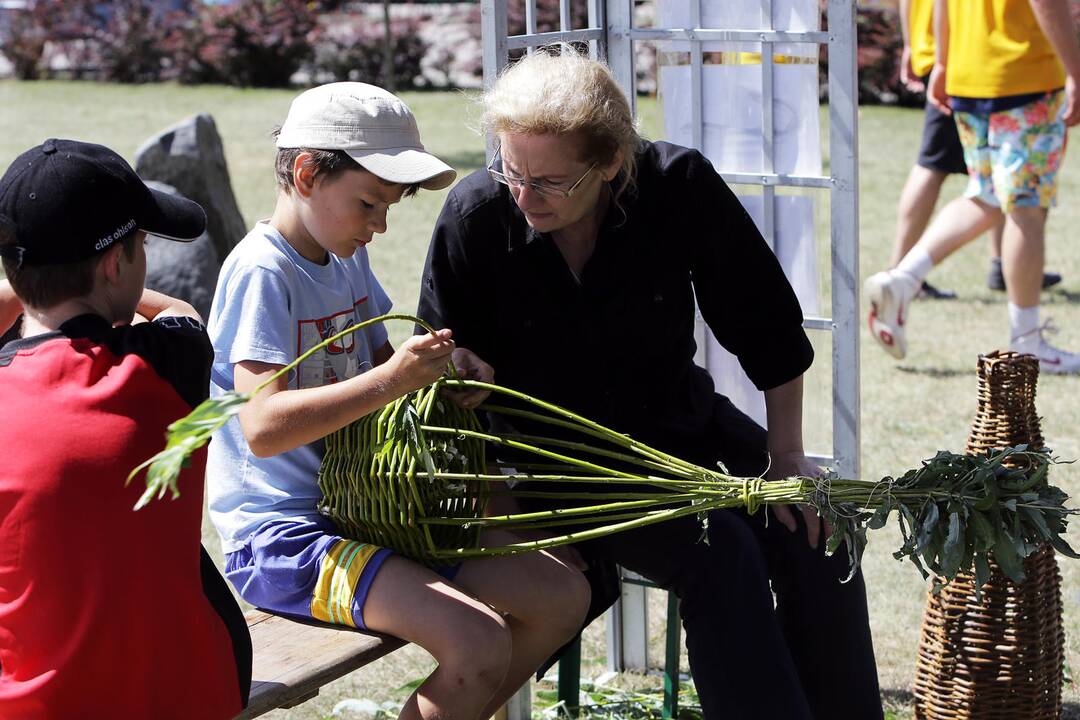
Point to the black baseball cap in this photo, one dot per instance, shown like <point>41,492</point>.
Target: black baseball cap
<point>67,200</point>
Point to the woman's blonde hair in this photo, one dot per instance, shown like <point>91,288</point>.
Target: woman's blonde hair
<point>557,91</point>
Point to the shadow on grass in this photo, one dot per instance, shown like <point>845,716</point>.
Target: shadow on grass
<point>933,372</point>
<point>1063,295</point>
<point>903,700</point>
<point>897,697</point>
<point>1054,296</point>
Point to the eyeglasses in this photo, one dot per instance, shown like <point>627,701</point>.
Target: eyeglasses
<point>548,191</point>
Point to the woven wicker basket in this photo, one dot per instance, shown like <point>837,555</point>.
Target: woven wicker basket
<point>386,499</point>
<point>1001,657</point>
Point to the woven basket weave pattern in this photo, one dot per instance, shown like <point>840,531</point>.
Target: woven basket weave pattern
<point>385,499</point>
<point>1001,657</point>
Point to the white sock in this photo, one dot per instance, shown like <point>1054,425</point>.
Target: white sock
<point>1023,321</point>
<point>917,263</point>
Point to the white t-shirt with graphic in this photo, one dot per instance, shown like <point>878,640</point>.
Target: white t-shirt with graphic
<point>272,305</point>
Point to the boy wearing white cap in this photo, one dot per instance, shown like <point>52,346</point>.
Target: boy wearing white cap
<point>346,152</point>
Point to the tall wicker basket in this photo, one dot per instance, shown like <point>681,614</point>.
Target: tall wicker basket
<point>1001,657</point>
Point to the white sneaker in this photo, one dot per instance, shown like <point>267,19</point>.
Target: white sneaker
<point>1051,359</point>
<point>890,292</point>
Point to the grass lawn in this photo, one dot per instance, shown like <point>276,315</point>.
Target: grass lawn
<point>910,409</point>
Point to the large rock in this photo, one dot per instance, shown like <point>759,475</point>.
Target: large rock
<point>187,271</point>
<point>190,157</point>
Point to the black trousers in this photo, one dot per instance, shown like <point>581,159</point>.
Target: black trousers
<point>808,656</point>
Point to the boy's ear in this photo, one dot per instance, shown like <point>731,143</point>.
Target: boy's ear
<point>303,174</point>
<point>110,266</point>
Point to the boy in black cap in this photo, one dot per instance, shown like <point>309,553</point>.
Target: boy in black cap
<point>104,611</point>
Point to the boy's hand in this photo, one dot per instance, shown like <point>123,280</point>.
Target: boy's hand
<point>420,360</point>
<point>935,90</point>
<point>1072,102</point>
<point>907,75</point>
<point>470,367</point>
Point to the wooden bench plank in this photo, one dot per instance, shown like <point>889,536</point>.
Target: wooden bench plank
<point>292,659</point>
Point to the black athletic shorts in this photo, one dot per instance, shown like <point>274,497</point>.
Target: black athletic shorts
<point>941,149</point>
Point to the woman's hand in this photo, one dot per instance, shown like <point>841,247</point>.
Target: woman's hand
<point>470,367</point>
<point>796,464</point>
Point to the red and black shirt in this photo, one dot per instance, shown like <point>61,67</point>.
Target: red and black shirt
<point>105,611</point>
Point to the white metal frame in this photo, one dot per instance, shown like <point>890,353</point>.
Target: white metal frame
<point>611,35</point>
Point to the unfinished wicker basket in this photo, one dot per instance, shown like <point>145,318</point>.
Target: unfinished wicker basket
<point>1001,657</point>
<point>364,505</point>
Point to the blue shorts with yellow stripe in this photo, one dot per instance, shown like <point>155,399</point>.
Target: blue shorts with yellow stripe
<point>304,568</point>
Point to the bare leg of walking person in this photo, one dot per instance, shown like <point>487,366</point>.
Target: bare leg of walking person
<point>913,213</point>
<point>891,292</point>
<point>916,206</point>
<point>1023,256</point>
<point>995,278</point>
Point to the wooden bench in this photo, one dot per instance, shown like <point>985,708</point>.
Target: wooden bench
<point>292,660</point>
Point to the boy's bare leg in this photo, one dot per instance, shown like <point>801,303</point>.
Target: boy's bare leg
<point>958,223</point>
<point>917,201</point>
<point>995,238</point>
<point>470,641</point>
<point>996,277</point>
<point>545,601</point>
<point>1023,255</point>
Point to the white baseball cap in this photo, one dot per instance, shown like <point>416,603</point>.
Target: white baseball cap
<point>374,127</point>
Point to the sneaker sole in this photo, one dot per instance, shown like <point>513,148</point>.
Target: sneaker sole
<point>1050,367</point>
<point>881,299</point>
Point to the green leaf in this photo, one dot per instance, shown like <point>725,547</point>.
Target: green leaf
<point>983,530</point>
<point>183,439</point>
<point>990,499</point>
<point>1063,547</point>
<point>411,685</point>
<point>953,551</point>
<point>880,516</point>
<point>927,522</point>
<point>840,529</point>
<point>1036,519</point>
<point>1008,558</point>
<point>1037,477</point>
<point>982,570</point>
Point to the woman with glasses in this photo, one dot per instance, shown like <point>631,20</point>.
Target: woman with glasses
<point>571,266</point>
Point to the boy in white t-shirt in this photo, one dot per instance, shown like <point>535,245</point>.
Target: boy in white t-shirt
<point>346,152</point>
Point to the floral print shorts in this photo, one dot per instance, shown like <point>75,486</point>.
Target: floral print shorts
<point>1013,156</point>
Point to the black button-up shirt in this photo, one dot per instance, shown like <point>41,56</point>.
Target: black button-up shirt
<point>617,347</point>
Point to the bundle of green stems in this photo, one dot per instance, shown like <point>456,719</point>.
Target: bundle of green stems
<point>416,477</point>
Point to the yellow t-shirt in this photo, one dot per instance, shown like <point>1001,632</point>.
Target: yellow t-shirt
<point>921,36</point>
<point>996,49</point>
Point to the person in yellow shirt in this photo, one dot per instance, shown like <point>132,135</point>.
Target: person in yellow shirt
<point>1007,70</point>
<point>940,155</point>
